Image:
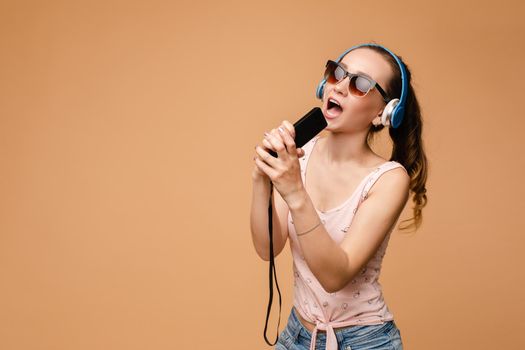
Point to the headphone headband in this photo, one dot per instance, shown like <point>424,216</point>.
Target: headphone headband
<point>396,115</point>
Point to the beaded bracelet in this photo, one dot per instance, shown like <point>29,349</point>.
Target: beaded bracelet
<point>300,234</point>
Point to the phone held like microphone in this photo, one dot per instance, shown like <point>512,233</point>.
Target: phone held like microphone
<point>311,124</point>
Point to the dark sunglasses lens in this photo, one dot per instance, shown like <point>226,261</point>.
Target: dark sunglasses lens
<point>359,86</point>
<point>333,72</point>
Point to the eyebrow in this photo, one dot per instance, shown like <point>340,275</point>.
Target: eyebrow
<point>346,67</point>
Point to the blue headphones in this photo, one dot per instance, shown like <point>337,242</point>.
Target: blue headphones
<point>395,108</point>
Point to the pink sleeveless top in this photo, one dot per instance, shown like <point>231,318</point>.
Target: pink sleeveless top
<point>361,301</point>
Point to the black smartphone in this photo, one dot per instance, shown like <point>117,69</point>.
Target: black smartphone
<point>311,124</point>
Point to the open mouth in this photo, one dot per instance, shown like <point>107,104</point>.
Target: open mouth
<point>333,107</point>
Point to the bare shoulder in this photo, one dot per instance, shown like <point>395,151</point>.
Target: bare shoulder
<point>375,219</point>
<point>392,180</point>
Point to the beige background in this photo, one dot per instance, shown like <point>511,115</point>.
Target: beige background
<point>127,131</point>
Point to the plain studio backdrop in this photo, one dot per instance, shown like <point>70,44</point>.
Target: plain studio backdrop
<point>127,132</point>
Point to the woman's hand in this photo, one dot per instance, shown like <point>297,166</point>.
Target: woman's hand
<point>257,173</point>
<point>284,171</point>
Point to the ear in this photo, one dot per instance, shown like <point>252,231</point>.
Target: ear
<point>377,120</point>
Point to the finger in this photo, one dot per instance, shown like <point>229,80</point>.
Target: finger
<point>264,167</point>
<point>289,141</point>
<point>275,133</point>
<point>271,133</point>
<point>284,130</point>
<point>266,157</point>
<point>257,155</point>
<point>277,143</point>
<point>290,127</point>
<point>260,165</point>
<point>267,144</point>
<point>300,152</point>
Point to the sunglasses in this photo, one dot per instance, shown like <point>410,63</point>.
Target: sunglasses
<point>359,85</point>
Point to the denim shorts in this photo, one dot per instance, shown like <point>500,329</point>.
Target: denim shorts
<point>385,336</point>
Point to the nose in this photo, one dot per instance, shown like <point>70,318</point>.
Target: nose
<point>341,86</point>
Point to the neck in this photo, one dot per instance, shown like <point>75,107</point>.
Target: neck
<point>341,149</point>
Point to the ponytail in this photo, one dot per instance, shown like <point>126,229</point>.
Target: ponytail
<point>408,148</point>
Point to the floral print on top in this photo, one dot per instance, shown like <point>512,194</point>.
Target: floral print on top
<point>361,301</point>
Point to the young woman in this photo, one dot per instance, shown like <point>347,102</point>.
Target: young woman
<point>338,201</point>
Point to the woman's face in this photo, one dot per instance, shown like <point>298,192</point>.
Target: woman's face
<point>357,112</point>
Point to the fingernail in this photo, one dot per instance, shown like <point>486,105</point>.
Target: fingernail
<point>281,130</point>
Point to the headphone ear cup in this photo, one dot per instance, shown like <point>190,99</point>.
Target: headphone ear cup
<point>320,90</point>
<point>389,111</point>
<point>397,116</point>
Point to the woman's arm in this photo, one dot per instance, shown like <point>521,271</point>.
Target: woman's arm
<point>260,201</point>
<point>334,265</point>
<point>259,219</point>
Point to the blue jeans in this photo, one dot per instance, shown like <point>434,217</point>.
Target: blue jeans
<point>384,336</point>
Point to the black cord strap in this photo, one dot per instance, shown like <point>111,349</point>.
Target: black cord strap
<point>272,267</point>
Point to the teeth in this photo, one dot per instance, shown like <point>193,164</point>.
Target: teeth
<point>334,101</point>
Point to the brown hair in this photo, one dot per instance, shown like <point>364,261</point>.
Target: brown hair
<point>408,147</point>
